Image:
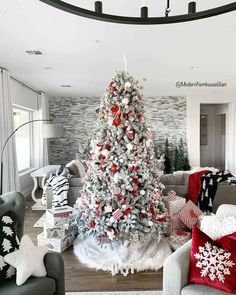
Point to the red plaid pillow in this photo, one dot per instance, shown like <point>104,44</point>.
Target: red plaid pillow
<point>189,214</point>
<point>213,263</point>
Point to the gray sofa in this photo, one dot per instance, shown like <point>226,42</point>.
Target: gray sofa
<point>74,192</point>
<point>176,268</point>
<point>177,182</point>
<point>226,194</point>
<point>53,283</point>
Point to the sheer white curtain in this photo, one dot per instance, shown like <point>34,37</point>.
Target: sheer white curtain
<point>11,180</point>
<point>40,143</point>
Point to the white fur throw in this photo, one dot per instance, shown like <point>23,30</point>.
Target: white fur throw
<point>216,227</point>
<point>122,258</point>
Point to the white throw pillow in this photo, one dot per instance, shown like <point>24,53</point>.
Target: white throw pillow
<point>28,260</point>
<point>217,226</point>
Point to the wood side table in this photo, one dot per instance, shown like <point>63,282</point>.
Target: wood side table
<point>43,172</point>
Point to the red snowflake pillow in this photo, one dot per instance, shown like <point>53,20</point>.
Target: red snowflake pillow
<point>213,263</point>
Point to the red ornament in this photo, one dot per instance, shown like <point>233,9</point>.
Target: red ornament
<point>127,211</point>
<point>135,180</point>
<point>114,168</point>
<point>162,219</point>
<point>123,201</point>
<point>107,147</point>
<point>117,122</point>
<point>142,215</point>
<point>92,224</point>
<point>114,109</point>
<point>133,168</point>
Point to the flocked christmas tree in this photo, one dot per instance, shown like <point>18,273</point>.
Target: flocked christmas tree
<point>122,197</point>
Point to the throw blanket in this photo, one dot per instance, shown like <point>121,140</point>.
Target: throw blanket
<point>194,185</point>
<point>209,186</point>
<point>60,187</point>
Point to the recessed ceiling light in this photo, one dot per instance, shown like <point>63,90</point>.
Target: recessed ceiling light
<point>33,52</point>
<point>194,68</point>
<point>47,68</point>
<point>66,86</point>
<point>97,41</point>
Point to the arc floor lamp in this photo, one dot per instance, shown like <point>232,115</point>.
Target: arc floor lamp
<point>56,132</point>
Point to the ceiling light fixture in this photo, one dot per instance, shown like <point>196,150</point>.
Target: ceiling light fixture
<point>65,86</point>
<point>194,68</point>
<point>144,19</point>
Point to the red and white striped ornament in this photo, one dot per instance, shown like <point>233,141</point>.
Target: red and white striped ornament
<point>117,214</point>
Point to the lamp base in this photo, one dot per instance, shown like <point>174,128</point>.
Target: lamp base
<point>38,206</point>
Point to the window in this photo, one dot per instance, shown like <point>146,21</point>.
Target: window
<point>23,138</point>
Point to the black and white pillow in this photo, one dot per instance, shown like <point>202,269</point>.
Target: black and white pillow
<point>8,243</point>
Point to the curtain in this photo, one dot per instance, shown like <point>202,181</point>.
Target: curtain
<point>40,143</point>
<point>11,180</point>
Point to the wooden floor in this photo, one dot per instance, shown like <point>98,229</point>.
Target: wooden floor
<point>80,278</point>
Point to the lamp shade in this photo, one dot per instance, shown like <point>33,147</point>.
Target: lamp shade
<point>52,130</point>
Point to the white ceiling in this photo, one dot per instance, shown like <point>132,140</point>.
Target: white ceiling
<point>163,54</point>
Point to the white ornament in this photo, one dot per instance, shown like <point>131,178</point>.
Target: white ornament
<point>129,146</point>
<point>127,84</point>
<point>125,101</point>
<point>142,192</point>
<point>108,209</point>
<point>111,234</point>
<point>112,219</point>
<point>105,153</point>
<point>121,160</point>
<point>150,223</point>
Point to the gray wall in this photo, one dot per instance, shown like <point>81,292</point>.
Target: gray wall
<point>166,117</point>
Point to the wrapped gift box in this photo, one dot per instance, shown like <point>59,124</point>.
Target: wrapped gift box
<point>189,214</point>
<point>175,223</point>
<point>178,238</point>
<point>57,245</point>
<point>57,231</point>
<point>174,205</point>
<point>60,215</point>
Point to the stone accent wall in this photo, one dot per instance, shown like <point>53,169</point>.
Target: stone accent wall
<point>166,117</point>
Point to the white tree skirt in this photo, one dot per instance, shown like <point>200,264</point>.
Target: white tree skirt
<point>124,258</point>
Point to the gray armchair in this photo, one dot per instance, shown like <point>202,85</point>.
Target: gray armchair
<point>176,267</point>
<point>53,283</point>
